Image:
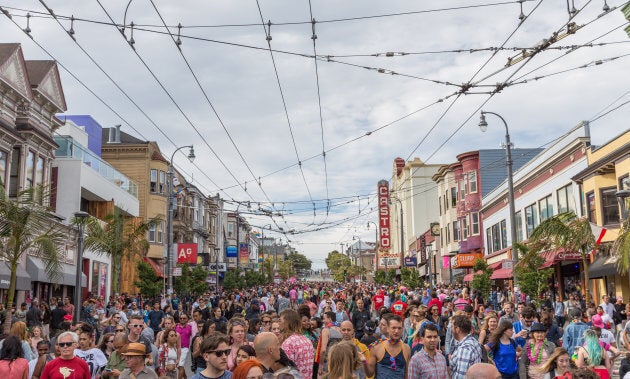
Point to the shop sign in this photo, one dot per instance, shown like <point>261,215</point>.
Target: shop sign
<point>385,242</point>
<point>187,253</point>
<point>411,262</point>
<point>568,256</point>
<point>465,260</point>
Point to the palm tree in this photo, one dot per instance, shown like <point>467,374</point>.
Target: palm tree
<point>120,237</point>
<point>569,232</point>
<point>621,247</point>
<point>26,226</point>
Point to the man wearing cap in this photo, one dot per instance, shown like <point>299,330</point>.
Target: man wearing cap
<point>136,369</point>
<point>66,365</point>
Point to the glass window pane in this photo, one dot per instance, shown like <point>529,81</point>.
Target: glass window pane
<point>3,167</point>
<point>610,206</point>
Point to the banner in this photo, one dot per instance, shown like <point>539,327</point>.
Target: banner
<point>411,262</point>
<point>243,252</point>
<point>383,215</point>
<point>187,253</point>
<point>446,262</point>
<point>466,259</point>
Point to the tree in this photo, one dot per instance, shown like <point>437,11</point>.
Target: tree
<point>120,237</point>
<point>481,279</point>
<point>193,280</point>
<point>255,278</point>
<point>28,226</point>
<point>410,277</point>
<point>621,247</point>
<point>569,232</point>
<point>233,280</point>
<point>531,278</point>
<point>148,282</point>
<point>300,262</point>
<point>337,263</point>
<point>285,269</point>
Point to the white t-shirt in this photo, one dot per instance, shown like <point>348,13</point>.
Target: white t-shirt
<point>607,337</point>
<point>94,358</point>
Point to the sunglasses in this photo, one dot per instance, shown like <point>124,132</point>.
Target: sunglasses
<point>65,344</point>
<point>266,322</point>
<point>392,363</point>
<point>220,353</point>
<point>120,330</point>
<point>136,326</point>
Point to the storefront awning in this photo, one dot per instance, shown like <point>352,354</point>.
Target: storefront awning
<point>22,281</point>
<point>603,266</point>
<point>496,265</point>
<point>560,255</point>
<point>502,273</point>
<point>157,267</point>
<point>37,271</point>
<point>468,277</point>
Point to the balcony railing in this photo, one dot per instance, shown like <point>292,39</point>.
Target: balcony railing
<point>68,148</point>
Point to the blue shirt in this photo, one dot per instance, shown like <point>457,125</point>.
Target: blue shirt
<point>518,326</point>
<point>574,336</point>
<point>505,358</point>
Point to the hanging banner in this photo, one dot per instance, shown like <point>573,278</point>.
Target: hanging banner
<point>230,252</point>
<point>411,262</point>
<point>187,253</point>
<point>243,252</point>
<point>383,215</point>
<point>446,262</point>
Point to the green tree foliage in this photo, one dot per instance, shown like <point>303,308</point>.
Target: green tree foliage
<point>531,278</point>
<point>621,247</point>
<point>193,280</point>
<point>120,237</point>
<point>255,278</point>
<point>299,261</point>
<point>569,232</point>
<point>285,269</point>
<point>481,279</point>
<point>337,263</point>
<point>148,282</point>
<point>268,268</point>
<point>232,280</point>
<point>410,277</point>
<point>28,226</point>
<point>380,277</point>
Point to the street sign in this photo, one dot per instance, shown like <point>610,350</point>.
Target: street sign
<point>177,271</point>
<point>222,267</point>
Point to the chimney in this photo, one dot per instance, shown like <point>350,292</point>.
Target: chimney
<point>117,133</point>
<point>399,163</point>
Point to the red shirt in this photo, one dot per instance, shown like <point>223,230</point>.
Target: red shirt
<point>378,300</point>
<point>399,308</point>
<point>74,368</point>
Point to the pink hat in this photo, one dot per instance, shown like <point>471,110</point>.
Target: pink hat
<point>597,321</point>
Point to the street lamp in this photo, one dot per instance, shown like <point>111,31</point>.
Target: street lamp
<point>622,196</point>
<point>79,219</point>
<point>169,215</point>
<point>402,237</point>
<point>375,239</point>
<point>483,125</point>
<point>216,267</point>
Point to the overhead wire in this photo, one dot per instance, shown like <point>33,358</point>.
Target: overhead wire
<point>212,107</point>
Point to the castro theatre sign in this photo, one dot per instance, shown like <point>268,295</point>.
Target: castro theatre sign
<point>384,235</point>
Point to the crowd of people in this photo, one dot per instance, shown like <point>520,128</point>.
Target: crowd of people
<point>319,331</point>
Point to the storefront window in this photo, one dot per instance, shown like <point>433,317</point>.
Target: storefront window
<point>610,206</point>
<point>565,199</point>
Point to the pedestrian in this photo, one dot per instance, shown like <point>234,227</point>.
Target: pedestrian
<point>215,350</point>
<point>135,356</point>
<point>504,350</point>
<point>389,359</point>
<point>67,363</point>
<point>428,363</point>
<point>12,362</point>
<point>574,333</point>
<point>344,361</point>
<point>297,347</point>
<point>557,365</point>
<point>537,350</point>
<point>467,350</point>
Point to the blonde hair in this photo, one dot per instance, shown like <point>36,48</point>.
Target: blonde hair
<point>486,321</point>
<point>18,329</point>
<point>343,360</point>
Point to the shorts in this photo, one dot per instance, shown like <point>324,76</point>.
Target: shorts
<point>182,357</point>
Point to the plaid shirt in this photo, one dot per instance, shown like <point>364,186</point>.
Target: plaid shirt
<point>423,366</point>
<point>465,354</point>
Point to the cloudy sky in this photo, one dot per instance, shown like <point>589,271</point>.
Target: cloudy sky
<point>252,122</point>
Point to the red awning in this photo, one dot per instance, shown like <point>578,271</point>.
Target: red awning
<point>157,266</point>
<point>496,265</point>
<point>502,273</point>
<point>468,277</point>
<point>560,255</point>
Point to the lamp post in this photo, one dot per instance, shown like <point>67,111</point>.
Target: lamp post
<point>402,229</point>
<point>80,219</point>
<point>375,240</point>
<point>483,125</point>
<point>169,215</point>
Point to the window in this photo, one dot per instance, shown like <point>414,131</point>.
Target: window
<point>195,209</point>
<point>465,227</point>
<point>453,197</point>
<point>462,187</point>
<point>565,199</point>
<point>624,183</point>
<point>3,167</point>
<point>531,218</point>
<point>162,182</point>
<point>496,238</point>
<point>14,175</point>
<point>489,241</point>
<point>230,229</point>
<point>472,179</point>
<point>160,232</point>
<point>474,224</point>
<point>39,171</point>
<point>440,204</point>
<point>446,201</point>
<point>152,233</point>
<point>30,169</point>
<point>590,207</point>
<point>545,206</point>
<point>518,221</point>
<point>503,234</point>
<point>610,206</point>
<point>153,181</point>
<point>455,231</point>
